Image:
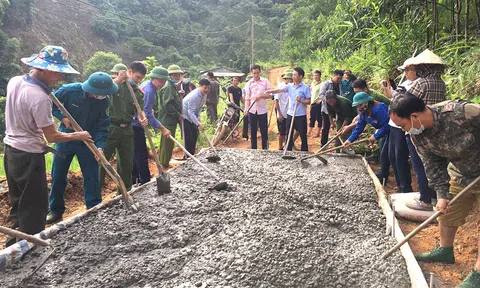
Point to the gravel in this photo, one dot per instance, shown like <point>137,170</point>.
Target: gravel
<point>278,225</point>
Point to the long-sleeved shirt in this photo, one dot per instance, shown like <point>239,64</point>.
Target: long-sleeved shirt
<point>254,88</point>
<point>326,86</point>
<point>343,109</point>
<point>90,113</point>
<point>149,98</point>
<point>282,100</point>
<point>451,149</point>
<point>377,117</point>
<point>430,86</point>
<point>169,104</point>
<point>301,90</point>
<point>192,106</point>
<point>122,110</point>
<point>347,89</point>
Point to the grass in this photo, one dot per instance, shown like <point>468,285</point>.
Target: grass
<point>48,163</point>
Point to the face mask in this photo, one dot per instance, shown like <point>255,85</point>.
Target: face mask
<point>174,81</point>
<point>99,97</point>
<point>363,109</point>
<point>416,131</point>
<point>186,80</point>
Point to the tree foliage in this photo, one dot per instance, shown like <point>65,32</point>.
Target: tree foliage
<point>101,62</point>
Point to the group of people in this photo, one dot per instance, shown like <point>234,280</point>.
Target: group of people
<point>442,139</point>
<point>104,108</point>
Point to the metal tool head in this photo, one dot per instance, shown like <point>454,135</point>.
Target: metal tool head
<point>350,151</point>
<point>288,157</point>
<point>305,164</point>
<point>213,158</point>
<point>222,185</point>
<point>324,161</point>
<point>163,184</point>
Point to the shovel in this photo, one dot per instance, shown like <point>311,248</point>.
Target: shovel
<point>306,164</point>
<point>240,121</point>
<point>221,185</point>
<point>215,158</point>
<point>285,156</point>
<point>21,235</point>
<point>430,219</point>
<point>127,199</point>
<point>163,180</point>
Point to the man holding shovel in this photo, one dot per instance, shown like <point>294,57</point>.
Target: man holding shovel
<point>192,107</point>
<point>28,121</point>
<point>169,113</point>
<point>122,110</point>
<point>297,92</point>
<point>87,102</point>
<point>141,171</point>
<point>447,138</point>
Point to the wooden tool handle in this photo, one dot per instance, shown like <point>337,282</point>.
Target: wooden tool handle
<point>291,128</point>
<point>338,147</point>
<point>103,161</point>
<point>430,219</point>
<point>209,142</point>
<point>194,158</point>
<point>140,115</point>
<point>18,234</point>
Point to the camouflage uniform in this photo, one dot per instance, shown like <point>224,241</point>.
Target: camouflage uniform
<point>451,154</point>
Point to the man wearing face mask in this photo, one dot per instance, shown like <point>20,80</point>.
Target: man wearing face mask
<point>186,84</point>
<point>141,171</point>
<point>374,113</point>
<point>169,113</point>
<point>122,113</point>
<point>87,102</point>
<point>447,137</point>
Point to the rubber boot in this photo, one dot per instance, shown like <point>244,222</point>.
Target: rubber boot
<point>437,254</point>
<point>53,218</point>
<point>472,280</point>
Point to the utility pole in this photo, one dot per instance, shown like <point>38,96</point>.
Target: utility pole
<point>281,41</point>
<point>252,40</point>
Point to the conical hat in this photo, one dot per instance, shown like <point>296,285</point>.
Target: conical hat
<point>427,57</point>
<point>407,62</point>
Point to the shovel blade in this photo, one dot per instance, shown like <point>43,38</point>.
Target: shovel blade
<point>305,164</point>
<point>163,184</point>
<point>213,159</point>
<point>288,157</point>
<point>220,186</point>
<point>349,151</point>
<point>324,161</point>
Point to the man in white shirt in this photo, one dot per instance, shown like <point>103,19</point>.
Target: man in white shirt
<point>281,106</point>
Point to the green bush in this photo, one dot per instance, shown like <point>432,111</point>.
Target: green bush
<point>101,61</point>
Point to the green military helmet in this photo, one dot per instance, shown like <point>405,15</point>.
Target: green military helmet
<point>360,98</point>
<point>159,73</point>
<point>173,69</point>
<point>100,83</point>
<point>119,67</point>
<point>288,75</point>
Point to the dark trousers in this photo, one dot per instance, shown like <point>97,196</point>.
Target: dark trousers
<point>426,193</point>
<point>326,129</point>
<point>258,121</point>
<point>300,125</point>
<point>191,136</point>
<point>140,171</point>
<point>27,185</point>
<point>245,127</point>
<point>384,171</point>
<point>315,115</point>
<point>212,112</point>
<point>398,156</point>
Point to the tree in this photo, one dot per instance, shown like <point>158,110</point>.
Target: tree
<point>101,61</point>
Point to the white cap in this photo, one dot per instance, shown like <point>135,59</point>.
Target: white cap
<point>407,62</point>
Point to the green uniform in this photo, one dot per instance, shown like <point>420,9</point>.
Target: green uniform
<point>379,97</point>
<point>345,112</point>
<point>120,134</point>
<point>169,110</point>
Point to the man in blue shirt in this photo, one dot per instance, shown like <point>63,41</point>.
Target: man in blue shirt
<point>297,92</point>
<point>376,114</point>
<point>141,172</point>
<point>192,107</point>
<point>87,102</point>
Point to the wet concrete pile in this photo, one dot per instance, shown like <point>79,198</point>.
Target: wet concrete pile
<point>279,225</point>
